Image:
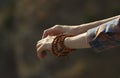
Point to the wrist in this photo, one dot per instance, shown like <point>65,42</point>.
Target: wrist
<point>67,42</point>
<point>58,46</point>
<point>77,42</point>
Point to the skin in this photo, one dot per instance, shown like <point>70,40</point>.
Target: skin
<point>75,42</point>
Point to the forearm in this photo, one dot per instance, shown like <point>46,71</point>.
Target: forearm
<point>85,39</point>
<point>77,42</point>
<point>84,27</point>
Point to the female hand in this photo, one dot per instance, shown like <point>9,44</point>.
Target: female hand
<point>62,29</point>
<point>44,45</point>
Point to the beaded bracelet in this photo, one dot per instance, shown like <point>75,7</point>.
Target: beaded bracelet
<point>58,47</point>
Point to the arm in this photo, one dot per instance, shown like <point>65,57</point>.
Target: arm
<point>77,42</point>
<point>100,38</point>
<point>75,29</point>
<point>84,27</point>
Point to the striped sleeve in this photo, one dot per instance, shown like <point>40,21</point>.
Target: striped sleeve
<point>105,36</point>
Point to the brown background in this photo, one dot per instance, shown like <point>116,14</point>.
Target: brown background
<point>22,23</point>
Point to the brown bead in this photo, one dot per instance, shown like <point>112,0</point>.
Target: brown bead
<point>58,47</point>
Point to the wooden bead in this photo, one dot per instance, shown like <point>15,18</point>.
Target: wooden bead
<point>58,47</point>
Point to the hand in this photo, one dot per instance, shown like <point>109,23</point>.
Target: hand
<point>44,45</point>
<point>61,29</point>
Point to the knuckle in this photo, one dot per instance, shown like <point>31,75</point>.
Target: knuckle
<point>38,41</point>
<point>45,30</point>
<point>36,45</point>
<point>56,25</point>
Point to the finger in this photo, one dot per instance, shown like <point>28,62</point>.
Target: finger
<point>38,45</point>
<point>39,41</point>
<point>40,52</point>
<point>45,33</point>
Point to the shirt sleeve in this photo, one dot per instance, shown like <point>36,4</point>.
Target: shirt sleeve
<point>105,36</point>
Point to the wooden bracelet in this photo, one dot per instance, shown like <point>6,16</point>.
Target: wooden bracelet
<point>58,47</point>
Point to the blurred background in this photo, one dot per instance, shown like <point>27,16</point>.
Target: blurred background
<point>22,23</point>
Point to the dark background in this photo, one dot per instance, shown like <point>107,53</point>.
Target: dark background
<point>22,23</point>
